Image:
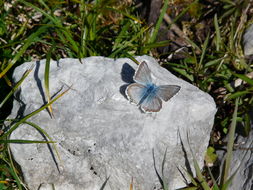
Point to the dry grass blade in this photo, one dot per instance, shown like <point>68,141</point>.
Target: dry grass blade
<point>131,185</point>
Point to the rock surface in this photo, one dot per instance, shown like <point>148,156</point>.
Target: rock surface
<point>242,162</point>
<point>248,41</point>
<point>100,134</point>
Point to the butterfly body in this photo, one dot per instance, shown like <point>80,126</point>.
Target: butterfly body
<point>148,92</point>
<point>145,93</point>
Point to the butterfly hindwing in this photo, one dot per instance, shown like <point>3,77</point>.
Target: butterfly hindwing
<point>151,104</point>
<point>143,74</point>
<point>166,92</point>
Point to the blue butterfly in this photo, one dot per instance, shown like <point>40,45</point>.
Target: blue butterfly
<point>145,93</point>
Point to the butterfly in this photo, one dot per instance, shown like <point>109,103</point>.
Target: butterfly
<point>145,93</point>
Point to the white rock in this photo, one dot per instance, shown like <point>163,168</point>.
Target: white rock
<point>100,134</point>
<point>242,163</point>
<point>248,41</point>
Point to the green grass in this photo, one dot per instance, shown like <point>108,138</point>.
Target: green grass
<point>82,28</point>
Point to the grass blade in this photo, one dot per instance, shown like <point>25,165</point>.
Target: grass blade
<point>228,2</point>
<point>191,177</point>
<point>40,130</point>
<point>229,180</point>
<point>156,44</point>
<point>213,62</point>
<point>203,52</point>
<point>58,24</point>
<point>244,78</point>
<point>199,175</point>
<point>184,73</point>
<point>20,141</point>
<point>217,31</point>
<point>31,39</point>
<point>134,18</point>
<point>27,72</point>
<point>15,126</point>
<point>158,175</point>
<point>127,43</point>
<point>165,187</point>
<point>238,94</point>
<point>105,182</point>
<point>14,172</point>
<point>46,134</point>
<point>121,36</point>
<point>225,186</point>
<point>46,78</point>
<point>193,44</point>
<point>190,188</point>
<point>215,185</point>
<point>230,145</point>
<point>159,22</point>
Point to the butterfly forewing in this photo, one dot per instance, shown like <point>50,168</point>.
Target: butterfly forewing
<point>151,104</point>
<point>166,92</point>
<point>135,92</point>
<point>143,74</point>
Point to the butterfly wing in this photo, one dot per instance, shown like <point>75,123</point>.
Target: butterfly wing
<point>135,92</point>
<point>143,74</point>
<point>152,103</point>
<point>166,92</point>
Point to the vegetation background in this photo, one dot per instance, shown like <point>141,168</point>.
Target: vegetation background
<point>200,41</point>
